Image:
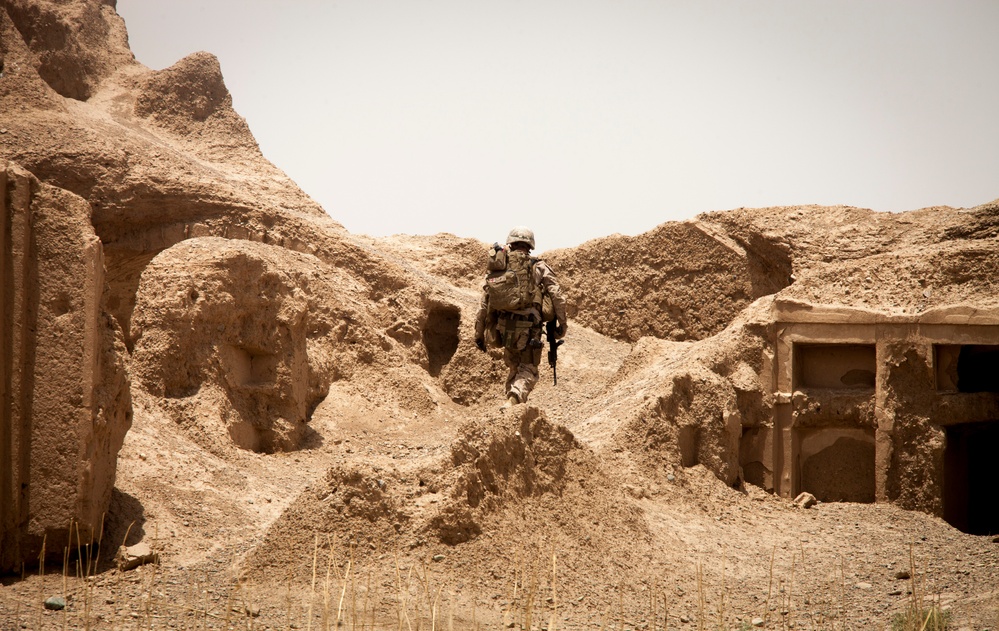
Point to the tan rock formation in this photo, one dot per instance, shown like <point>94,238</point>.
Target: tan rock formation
<point>242,340</point>
<point>680,281</point>
<point>64,394</point>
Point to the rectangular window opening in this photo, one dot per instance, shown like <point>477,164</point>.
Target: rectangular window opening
<point>835,366</point>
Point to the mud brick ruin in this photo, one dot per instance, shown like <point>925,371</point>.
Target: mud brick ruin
<point>872,407</point>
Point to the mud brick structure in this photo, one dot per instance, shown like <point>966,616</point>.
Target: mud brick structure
<point>872,407</point>
<point>64,398</point>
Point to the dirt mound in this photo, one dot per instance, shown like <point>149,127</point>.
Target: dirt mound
<point>491,465</point>
<point>495,471</point>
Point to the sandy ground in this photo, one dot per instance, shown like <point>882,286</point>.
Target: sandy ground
<point>606,546</point>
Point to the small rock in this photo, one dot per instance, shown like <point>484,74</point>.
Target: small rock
<point>895,592</point>
<point>903,575</point>
<point>758,622</point>
<point>131,557</point>
<point>863,586</point>
<point>670,477</point>
<point>438,557</point>
<point>636,492</point>
<point>55,603</point>
<point>685,619</point>
<point>805,500</point>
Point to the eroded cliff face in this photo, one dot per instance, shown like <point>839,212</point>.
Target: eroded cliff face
<point>680,281</point>
<point>73,46</point>
<point>66,403</point>
<point>243,339</point>
<point>150,160</point>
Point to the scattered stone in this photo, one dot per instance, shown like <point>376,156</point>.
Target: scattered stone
<point>864,586</point>
<point>758,622</point>
<point>895,592</point>
<point>636,492</point>
<point>438,557</point>
<point>685,619</point>
<point>805,500</point>
<point>55,603</point>
<point>903,575</point>
<point>131,557</point>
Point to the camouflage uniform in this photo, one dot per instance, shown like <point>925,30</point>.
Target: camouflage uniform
<point>519,332</point>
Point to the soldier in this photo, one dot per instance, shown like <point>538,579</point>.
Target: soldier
<point>512,312</point>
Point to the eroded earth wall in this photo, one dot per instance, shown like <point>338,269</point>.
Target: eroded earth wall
<point>64,391</point>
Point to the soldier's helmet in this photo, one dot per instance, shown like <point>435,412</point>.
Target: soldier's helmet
<point>521,234</point>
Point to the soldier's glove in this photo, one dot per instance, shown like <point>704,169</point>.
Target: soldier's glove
<point>560,330</point>
<point>480,343</point>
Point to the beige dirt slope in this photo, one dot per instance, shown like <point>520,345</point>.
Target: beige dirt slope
<point>341,460</point>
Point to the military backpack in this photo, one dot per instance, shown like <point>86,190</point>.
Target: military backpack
<point>510,283</point>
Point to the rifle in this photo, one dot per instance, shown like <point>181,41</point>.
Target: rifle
<point>553,345</point>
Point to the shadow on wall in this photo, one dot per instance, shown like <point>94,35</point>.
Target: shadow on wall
<point>124,523</point>
<point>440,337</point>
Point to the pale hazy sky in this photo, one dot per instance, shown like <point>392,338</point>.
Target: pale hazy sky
<point>584,118</point>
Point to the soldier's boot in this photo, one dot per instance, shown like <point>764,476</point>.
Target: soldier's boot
<point>511,401</point>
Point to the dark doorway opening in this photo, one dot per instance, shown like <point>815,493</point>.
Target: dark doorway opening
<point>440,337</point>
<point>837,464</point>
<point>971,477</point>
<point>978,369</point>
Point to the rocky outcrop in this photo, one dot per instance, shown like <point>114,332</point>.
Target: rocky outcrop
<point>75,44</point>
<point>241,340</point>
<point>680,281</point>
<point>64,393</point>
<point>161,156</point>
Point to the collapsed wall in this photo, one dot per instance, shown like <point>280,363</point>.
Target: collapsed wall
<point>680,281</point>
<point>64,392</point>
<point>871,406</point>
<point>874,380</point>
<point>241,340</point>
